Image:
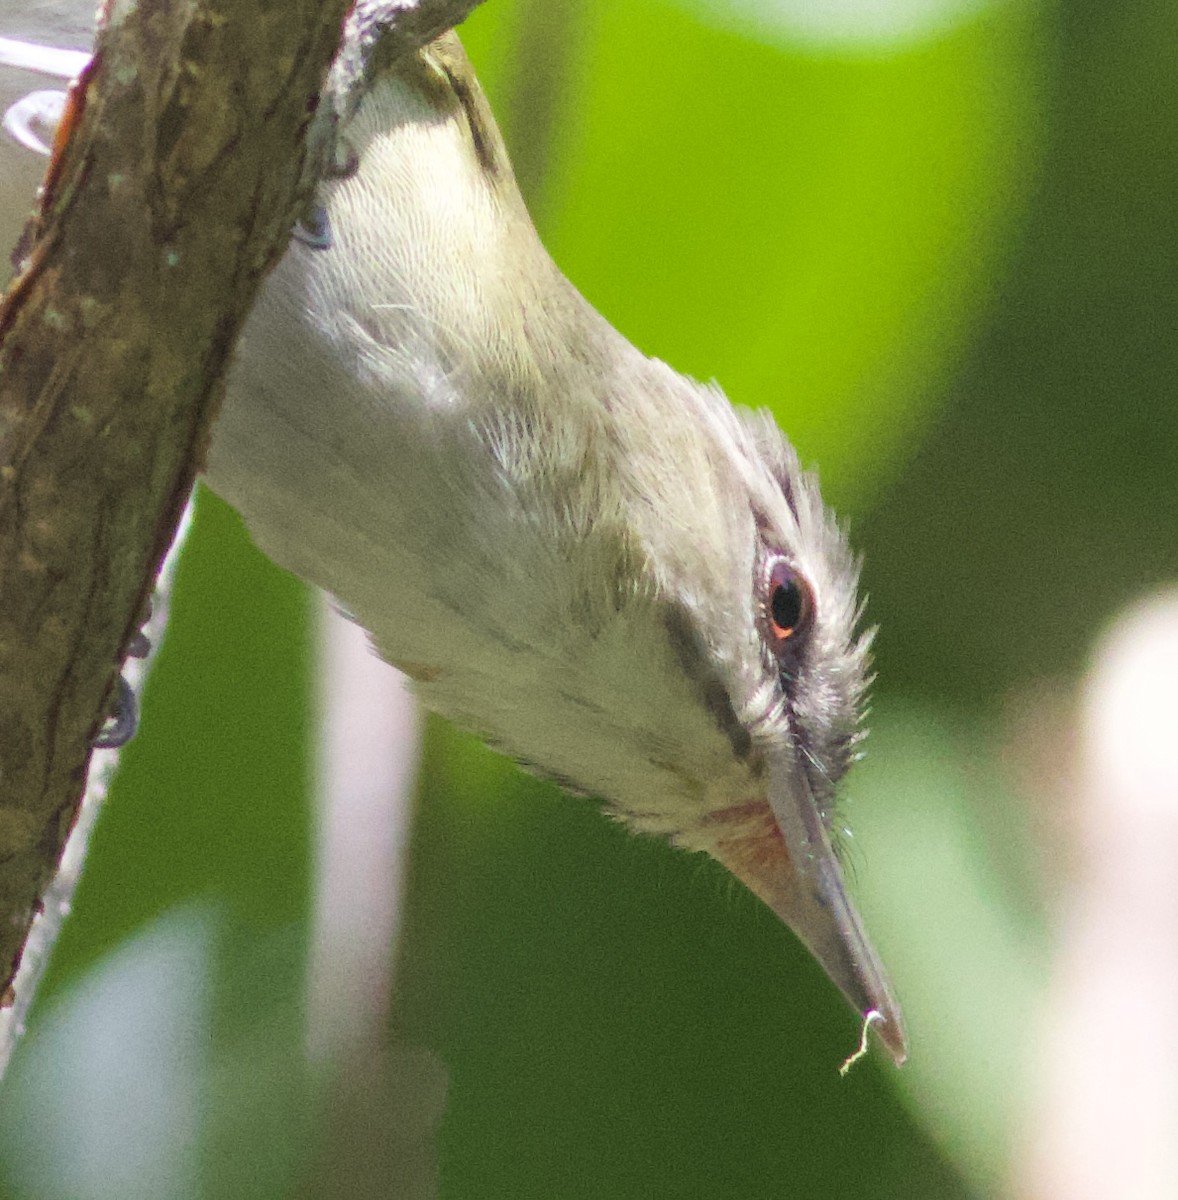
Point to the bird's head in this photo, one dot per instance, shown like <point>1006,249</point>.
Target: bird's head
<point>760,593</point>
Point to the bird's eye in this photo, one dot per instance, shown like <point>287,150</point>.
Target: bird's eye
<point>789,605</point>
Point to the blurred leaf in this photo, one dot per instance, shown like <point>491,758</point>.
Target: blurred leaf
<point>1047,496</point>
<point>171,1069</point>
<point>863,26</point>
<point>967,956</point>
<point>107,1095</point>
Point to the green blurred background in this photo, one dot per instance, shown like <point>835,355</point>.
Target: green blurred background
<point>938,240</point>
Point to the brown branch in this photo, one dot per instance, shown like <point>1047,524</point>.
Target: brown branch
<point>174,193</point>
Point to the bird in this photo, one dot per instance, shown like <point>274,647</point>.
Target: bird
<point>598,565</point>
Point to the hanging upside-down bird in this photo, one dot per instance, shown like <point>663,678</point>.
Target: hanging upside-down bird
<point>595,563</point>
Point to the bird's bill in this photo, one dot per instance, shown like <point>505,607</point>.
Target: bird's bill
<point>792,867</point>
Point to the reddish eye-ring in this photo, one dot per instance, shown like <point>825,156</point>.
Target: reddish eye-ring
<point>788,604</point>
